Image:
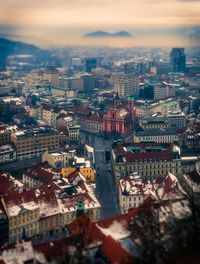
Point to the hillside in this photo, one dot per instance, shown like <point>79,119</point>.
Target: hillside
<point>9,47</point>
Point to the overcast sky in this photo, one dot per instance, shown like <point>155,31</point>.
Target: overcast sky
<point>99,14</point>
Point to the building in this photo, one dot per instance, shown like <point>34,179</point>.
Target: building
<point>74,132</point>
<point>160,91</point>
<point>151,107</point>
<point>72,83</point>
<point>125,84</point>
<point>92,123</point>
<point>51,75</point>
<point>178,59</point>
<point>88,82</point>
<point>188,163</point>
<point>136,192</point>
<point>35,177</point>
<point>162,135</point>
<point>5,133</point>
<point>191,140</point>
<point>117,121</point>
<point>9,185</point>
<point>69,191</point>
<point>62,92</point>
<point>58,159</point>
<point>176,119</point>
<point>154,121</point>
<point>67,124</point>
<point>90,64</point>
<point>7,153</point>
<point>33,143</point>
<point>22,212</point>
<point>131,192</point>
<point>150,160</point>
<point>4,89</point>
<point>48,115</point>
<point>88,172</point>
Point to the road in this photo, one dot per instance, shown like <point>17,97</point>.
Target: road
<point>106,189</point>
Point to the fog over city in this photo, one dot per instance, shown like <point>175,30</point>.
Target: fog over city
<point>64,22</point>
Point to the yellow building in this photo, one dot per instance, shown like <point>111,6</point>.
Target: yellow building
<point>68,207</point>
<point>23,217</point>
<point>88,173</point>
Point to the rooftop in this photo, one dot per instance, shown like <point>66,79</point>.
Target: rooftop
<point>36,132</point>
<point>131,152</point>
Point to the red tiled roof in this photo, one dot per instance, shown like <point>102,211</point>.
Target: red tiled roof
<point>115,253</point>
<point>130,156</point>
<point>19,198</point>
<point>93,118</point>
<point>83,225</point>
<point>73,175</point>
<point>49,188</point>
<point>41,174</point>
<point>55,248</point>
<point>80,110</point>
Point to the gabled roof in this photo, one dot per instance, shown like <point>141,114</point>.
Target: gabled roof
<point>40,174</point>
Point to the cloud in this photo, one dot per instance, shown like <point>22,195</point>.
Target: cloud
<point>104,13</point>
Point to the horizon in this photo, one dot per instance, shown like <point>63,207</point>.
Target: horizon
<point>152,23</point>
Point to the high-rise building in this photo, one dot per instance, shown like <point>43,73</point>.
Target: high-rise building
<point>126,84</point>
<point>178,59</point>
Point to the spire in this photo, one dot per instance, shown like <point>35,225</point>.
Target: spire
<point>80,207</point>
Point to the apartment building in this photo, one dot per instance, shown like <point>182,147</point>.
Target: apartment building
<point>125,84</point>
<point>33,143</point>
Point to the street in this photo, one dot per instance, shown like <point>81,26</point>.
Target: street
<point>106,190</point>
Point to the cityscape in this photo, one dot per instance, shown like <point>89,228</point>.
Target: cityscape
<point>100,132</point>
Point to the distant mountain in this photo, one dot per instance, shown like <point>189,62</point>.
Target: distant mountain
<point>122,34</point>
<point>9,47</point>
<point>105,34</point>
<point>97,34</point>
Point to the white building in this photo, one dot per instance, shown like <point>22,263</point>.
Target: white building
<point>176,119</point>
<point>131,193</point>
<point>157,135</point>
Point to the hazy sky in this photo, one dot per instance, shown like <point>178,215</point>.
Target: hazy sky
<point>51,18</point>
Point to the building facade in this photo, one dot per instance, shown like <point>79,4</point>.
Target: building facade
<point>33,143</point>
<point>126,84</point>
<point>119,121</point>
<point>150,160</point>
